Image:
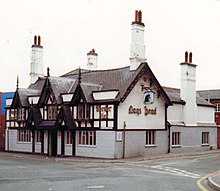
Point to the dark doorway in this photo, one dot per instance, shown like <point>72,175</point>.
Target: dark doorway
<point>53,143</point>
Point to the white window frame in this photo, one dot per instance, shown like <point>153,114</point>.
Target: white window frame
<point>21,114</point>
<point>83,111</point>
<point>68,138</point>
<point>38,137</point>
<point>205,138</point>
<point>176,139</point>
<point>24,136</point>
<point>87,138</point>
<point>51,112</point>
<point>217,107</point>
<point>150,138</point>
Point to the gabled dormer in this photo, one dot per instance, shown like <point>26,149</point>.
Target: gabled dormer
<point>47,95</point>
<point>34,118</point>
<point>18,110</point>
<point>48,102</point>
<point>16,101</point>
<point>78,96</point>
<point>65,119</point>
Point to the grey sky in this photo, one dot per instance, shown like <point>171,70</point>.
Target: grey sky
<point>71,28</point>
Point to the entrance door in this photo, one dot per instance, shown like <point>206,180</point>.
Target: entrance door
<point>52,142</point>
<point>73,142</point>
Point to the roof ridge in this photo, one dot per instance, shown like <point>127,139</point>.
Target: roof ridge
<point>208,90</point>
<point>85,71</point>
<point>166,87</point>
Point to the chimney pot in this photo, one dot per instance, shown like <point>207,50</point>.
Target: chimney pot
<point>35,40</point>
<point>48,71</point>
<point>136,15</point>
<point>140,16</point>
<point>190,57</point>
<point>39,40</point>
<point>186,56</point>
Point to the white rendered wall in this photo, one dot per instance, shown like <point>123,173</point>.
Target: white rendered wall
<point>137,48</point>
<point>45,141</point>
<point>14,145</point>
<point>188,93</point>
<point>68,150</point>
<point>105,95</point>
<point>175,113</point>
<point>141,121</point>
<point>205,114</point>
<point>59,142</point>
<point>191,138</point>
<point>137,41</point>
<point>104,148</point>
<point>37,147</point>
<point>36,63</point>
<point>92,63</point>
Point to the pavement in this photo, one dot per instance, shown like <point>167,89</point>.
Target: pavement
<point>213,180</point>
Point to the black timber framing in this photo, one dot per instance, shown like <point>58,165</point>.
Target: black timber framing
<point>42,141</point>
<point>48,142</point>
<point>115,114</point>
<point>62,142</point>
<point>73,142</point>
<point>53,142</point>
<point>33,141</point>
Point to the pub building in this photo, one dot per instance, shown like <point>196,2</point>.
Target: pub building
<point>115,113</point>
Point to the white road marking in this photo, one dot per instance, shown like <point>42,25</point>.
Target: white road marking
<point>206,157</point>
<point>167,170</point>
<point>95,187</point>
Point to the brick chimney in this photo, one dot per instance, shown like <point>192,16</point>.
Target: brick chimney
<point>188,90</point>
<point>92,60</point>
<point>36,60</point>
<point>137,48</point>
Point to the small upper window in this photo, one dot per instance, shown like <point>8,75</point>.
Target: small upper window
<point>217,107</point>
<point>52,112</point>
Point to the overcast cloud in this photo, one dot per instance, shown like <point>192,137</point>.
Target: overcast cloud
<point>71,28</point>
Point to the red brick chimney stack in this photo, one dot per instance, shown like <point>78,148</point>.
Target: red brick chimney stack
<point>186,56</point>
<point>190,57</point>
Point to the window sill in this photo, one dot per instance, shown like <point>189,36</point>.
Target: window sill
<point>205,145</point>
<point>150,146</point>
<point>88,146</point>
<point>68,145</point>
<point>176,146</point>
<point>23,142</point>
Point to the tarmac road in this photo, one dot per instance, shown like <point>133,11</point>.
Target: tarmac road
<point>22,172</point>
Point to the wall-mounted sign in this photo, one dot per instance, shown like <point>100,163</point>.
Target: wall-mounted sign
<point>133,110</point>
<point>147,111</point>
<point>152,111</point>
<point>119,136</point>
<point>103,108</point>
<point>148,97</point>
<point>104,111</point>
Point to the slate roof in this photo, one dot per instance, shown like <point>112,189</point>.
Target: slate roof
<point>210,94</point>
<point>174,95</point>
<point>61,85</point>
<point>22,94</point>
<point>107,79</point>
<point>102,80</point>
<point>115,79</point>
